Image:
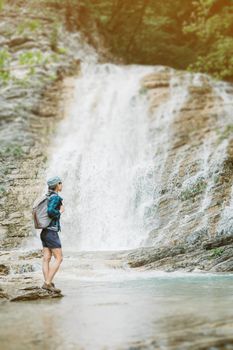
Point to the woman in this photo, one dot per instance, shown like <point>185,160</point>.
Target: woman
<point>49,235</point>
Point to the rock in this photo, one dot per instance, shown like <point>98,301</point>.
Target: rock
<point>218,242</point>
<point>185,258</point>
<point>17,41</point>
<point>193,207</point>
<point>3,295</point>
<point>25,134</point>
<point>197,236</point>
<point>2,215</point>
<point>22,268</point>
<point>225,266</point>
<point>34,293</point>
<point>156,84</point>
<point>144,256</point>
<point>15,215</point>
<point>4,270</point>
<point>31,255</point>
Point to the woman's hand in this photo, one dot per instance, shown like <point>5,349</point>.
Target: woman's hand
<point>62,209</point>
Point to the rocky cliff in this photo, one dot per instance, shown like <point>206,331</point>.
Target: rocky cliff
<point>36,54</point>
<point>191,124</point>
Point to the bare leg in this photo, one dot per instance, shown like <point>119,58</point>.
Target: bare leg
<point>57,253</point>
<point>47,255</point>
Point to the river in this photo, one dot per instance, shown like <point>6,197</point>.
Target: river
<point>115,308</point>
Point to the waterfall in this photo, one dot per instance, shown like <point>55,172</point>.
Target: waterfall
<point>135,175</point>
<point>224,91</point>
<point>103,153</point>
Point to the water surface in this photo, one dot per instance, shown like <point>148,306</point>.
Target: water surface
<point>112,308</point>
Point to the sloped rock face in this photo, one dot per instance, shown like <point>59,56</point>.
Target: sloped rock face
<point>34,293</point>
<point>21,278</point>
<point>24,179</point>
<point>32,102</point>
<point>192,129</point>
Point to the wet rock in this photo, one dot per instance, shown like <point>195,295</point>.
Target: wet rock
<point>156,84</point>
<point>218,242</point>
<point>34,293</point>
<point>32,255</point>
<point>22,268</point>
<point>196,203</point>
<point>4,270</point>
<point>185,258</point>
<point>31,105</point>
<point>146,256</point>
<point>197,236</point>
<point>3,294</point>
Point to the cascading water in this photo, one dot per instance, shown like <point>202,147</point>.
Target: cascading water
<point>120,163</point>
<point>224,91</point>
<point>104,155</point>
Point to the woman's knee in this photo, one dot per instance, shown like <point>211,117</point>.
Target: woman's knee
<point>58,255</point>
<point>47,258</point>
<point>60,259</point>
<point>47,255</point>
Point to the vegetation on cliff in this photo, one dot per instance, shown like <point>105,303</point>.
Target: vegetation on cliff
<point>183,34</point>
<point>194,35</point>
<point>35,53</point>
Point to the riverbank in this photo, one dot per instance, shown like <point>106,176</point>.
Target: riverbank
<point>209,256</point>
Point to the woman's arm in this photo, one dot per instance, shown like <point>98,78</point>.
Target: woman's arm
<point>62,209</point>
<point>52,210</point>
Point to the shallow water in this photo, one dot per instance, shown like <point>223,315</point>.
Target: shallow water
<point>113,308</point>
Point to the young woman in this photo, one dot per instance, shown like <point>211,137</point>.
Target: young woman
<point>49,235</point>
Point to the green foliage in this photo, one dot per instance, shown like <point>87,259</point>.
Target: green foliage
<point>22,83</point>
<point>2,3</point>
<point>147,32</point>
<point>4,170</point>
<point>2,190</point>
<point>62,51</point>
<point>143,90</point>
<point>216,252</point>
<point>4,65</point>
<point>197,35</point>
<point>193,190</point>
<point>30,58</point>
<point>212,28</point>
<point>31,61</point>
<point>4,76</point>
<point>4,58</point>
<point>54,38</point>
<point>30,26</point>
<point>226,133</point>
<point>54,57</point>
<point>12,150</point>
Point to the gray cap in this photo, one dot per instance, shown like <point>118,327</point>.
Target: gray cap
<point>53,181</point>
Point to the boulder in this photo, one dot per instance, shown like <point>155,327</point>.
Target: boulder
<point>34,293</point>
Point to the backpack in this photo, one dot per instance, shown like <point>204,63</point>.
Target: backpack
<point>39,212</point>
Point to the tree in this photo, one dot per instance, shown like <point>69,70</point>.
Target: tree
<point>212,25</point>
